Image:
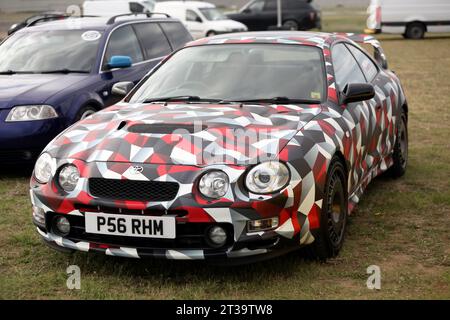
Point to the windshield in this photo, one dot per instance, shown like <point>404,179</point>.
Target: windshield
<point>213,14</point>
<point>236,72</point>
<point>45,51</point>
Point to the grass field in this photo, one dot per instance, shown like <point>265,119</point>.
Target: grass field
<point>400,225</point>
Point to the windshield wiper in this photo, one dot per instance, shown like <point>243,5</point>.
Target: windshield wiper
<point>10,72</point>
<point>279,100</point>
<point>7,72</point>
<point>181,98</point>
<point>65,71</point>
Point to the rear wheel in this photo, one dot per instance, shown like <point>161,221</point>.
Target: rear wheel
<point>211,34</point>
<point>415,30</point>
<point>290,25</point>
<point>400,155</point>
<point>333,219</point>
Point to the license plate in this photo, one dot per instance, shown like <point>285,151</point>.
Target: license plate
<point>130,226</point>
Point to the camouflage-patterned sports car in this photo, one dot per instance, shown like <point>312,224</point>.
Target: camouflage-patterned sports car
<point>238,146</point>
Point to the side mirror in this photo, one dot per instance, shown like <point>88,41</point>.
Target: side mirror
<point>356,92</point>
<point>199,20</point>
<point>120,62</point>
<point>13,28</point>
<point>246,10</point>
<point>380,57</point>
<point>121,89</point>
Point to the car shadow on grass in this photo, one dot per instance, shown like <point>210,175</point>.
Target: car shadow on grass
<point>177,271</point>
<point>16,171</point>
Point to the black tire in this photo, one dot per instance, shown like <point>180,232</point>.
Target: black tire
<point>291,25</point>
<point>400,155</point>
<point>85,112</point>
<point>334,215</point>
<point>415,30</point>
<point>211,33</point>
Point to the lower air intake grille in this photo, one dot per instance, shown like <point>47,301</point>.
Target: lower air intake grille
<point>133,190</point>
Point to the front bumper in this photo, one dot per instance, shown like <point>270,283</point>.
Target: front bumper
<point>193,214</point>
<point>184,247</point>
<point>22,142</point>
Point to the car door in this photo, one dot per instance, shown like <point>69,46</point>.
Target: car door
<point>123,42</point>
<point>361,116</point>
<point>384,141</point>
<point>269,15</point>
<point>194,24</point>
<point>251,15</point>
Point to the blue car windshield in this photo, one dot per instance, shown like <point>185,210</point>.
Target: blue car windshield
<point>47,51</point>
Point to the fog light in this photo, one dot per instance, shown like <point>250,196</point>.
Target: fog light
<point>62,225</point>
<point>262,225</point>
<point>39,216</point>
<point>217,236</point>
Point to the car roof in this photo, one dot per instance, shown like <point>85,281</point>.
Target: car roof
<point>90,23</point>
<point>318,39</point>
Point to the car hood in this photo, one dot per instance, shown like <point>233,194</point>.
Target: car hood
<point>20,89</point>
<point>227,24</point>
<point>184,134</point>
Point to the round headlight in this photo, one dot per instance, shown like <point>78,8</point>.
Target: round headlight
<point>214,184</point>
<point>68,177</point>
<point>44,168</point>
<point>268,177</point>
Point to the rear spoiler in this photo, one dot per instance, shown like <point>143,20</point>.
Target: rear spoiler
<point>378,54</point>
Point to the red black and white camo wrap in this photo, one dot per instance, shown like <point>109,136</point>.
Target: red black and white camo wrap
<point>306,137</point>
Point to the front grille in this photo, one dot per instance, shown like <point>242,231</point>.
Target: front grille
<point>151,191</point>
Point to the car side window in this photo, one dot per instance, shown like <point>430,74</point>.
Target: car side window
<point>257,6</point>
<point>270,5</point>
<point>123,42</point>
<point>368,67</point>
<point>177,34</point>
<point>346,69</point>
<point>192,16</point>
<point>153,40</point>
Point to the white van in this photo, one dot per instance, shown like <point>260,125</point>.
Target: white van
<point>200,18</point>
<point>410,18</point>
<point>115,7</point>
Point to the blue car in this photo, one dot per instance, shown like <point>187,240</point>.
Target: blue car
<point>57,73</point>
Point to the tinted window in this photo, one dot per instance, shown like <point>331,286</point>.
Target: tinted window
<point>271,5</point>
<point>256,6</point>
<point>153,40</point>
<point>346,69</point>
<point>123,42</point>
<point>192,16</point>
<point>367,66</point>
<point>295,4</point>
<point>239,72</point>
<point>177,34</point>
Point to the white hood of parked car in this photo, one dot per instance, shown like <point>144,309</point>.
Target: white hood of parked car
<point>227,25</point>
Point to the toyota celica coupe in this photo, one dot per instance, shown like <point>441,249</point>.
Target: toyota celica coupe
<point>242,146</point>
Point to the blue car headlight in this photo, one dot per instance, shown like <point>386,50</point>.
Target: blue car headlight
<point>31,113</point>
